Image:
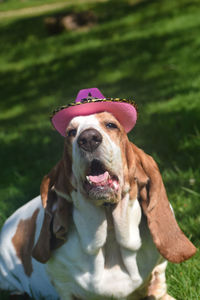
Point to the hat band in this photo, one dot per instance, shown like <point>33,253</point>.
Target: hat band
<point>93,100</point>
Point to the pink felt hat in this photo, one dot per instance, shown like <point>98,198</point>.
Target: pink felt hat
<point>91,101</point>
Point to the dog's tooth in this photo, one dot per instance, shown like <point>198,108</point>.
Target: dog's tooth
<point>88,179</point>
<point>116,185</point>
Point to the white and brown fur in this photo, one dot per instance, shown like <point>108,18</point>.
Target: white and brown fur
<point>73,244</point>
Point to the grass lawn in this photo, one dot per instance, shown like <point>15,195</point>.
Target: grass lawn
<point>7,5</point>
<point>149,51</point>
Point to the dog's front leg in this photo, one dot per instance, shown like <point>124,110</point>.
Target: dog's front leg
<point>157,289</point>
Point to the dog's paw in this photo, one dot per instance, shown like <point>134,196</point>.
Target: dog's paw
<point>167,297</point>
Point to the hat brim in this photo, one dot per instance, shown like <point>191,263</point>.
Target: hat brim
<point>125,111</point>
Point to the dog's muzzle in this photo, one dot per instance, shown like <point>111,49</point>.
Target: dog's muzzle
<point>100,184</point>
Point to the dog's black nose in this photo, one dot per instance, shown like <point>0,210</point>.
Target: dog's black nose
<point>89,139</point>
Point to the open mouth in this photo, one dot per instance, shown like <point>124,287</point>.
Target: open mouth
<point>100,182</point>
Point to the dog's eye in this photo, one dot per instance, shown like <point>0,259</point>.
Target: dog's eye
<point>71,132</point>
<point>111,125</point>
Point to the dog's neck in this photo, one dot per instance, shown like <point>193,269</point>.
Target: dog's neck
<point>109,243</point>
<point>94,222</point>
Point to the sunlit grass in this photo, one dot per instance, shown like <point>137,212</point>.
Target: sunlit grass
<point>21,4</point>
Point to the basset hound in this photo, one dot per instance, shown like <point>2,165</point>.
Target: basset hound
<point>102,227</point>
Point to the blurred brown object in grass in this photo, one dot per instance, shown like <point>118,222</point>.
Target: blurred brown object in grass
<point>71,21</point>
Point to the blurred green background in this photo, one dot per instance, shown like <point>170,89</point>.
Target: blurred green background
<point>146,50</point>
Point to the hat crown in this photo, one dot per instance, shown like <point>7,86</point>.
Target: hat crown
<point>89,93</point>
<point>92,101</point>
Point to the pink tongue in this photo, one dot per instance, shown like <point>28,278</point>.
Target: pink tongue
<point>99,178</point>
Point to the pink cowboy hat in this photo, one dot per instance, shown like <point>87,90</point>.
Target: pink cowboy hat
<point>91,101</point>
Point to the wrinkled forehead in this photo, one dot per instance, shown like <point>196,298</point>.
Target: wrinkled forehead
<point>94,121</point>
<point>84,122</point>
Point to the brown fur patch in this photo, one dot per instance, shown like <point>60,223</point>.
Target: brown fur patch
<point>23,241</point>
<point>115,133</point>
<point>155,284</point>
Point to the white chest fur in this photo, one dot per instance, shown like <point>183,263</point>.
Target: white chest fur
<point>109,253</point>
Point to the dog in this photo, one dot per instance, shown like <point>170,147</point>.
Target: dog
<point>102,227</point>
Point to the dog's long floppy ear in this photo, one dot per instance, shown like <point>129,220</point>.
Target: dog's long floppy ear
<point>167,236</point>
<point>54,190</point>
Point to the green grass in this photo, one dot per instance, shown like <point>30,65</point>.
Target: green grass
<point>149,51</point>
<point>7,5</point>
